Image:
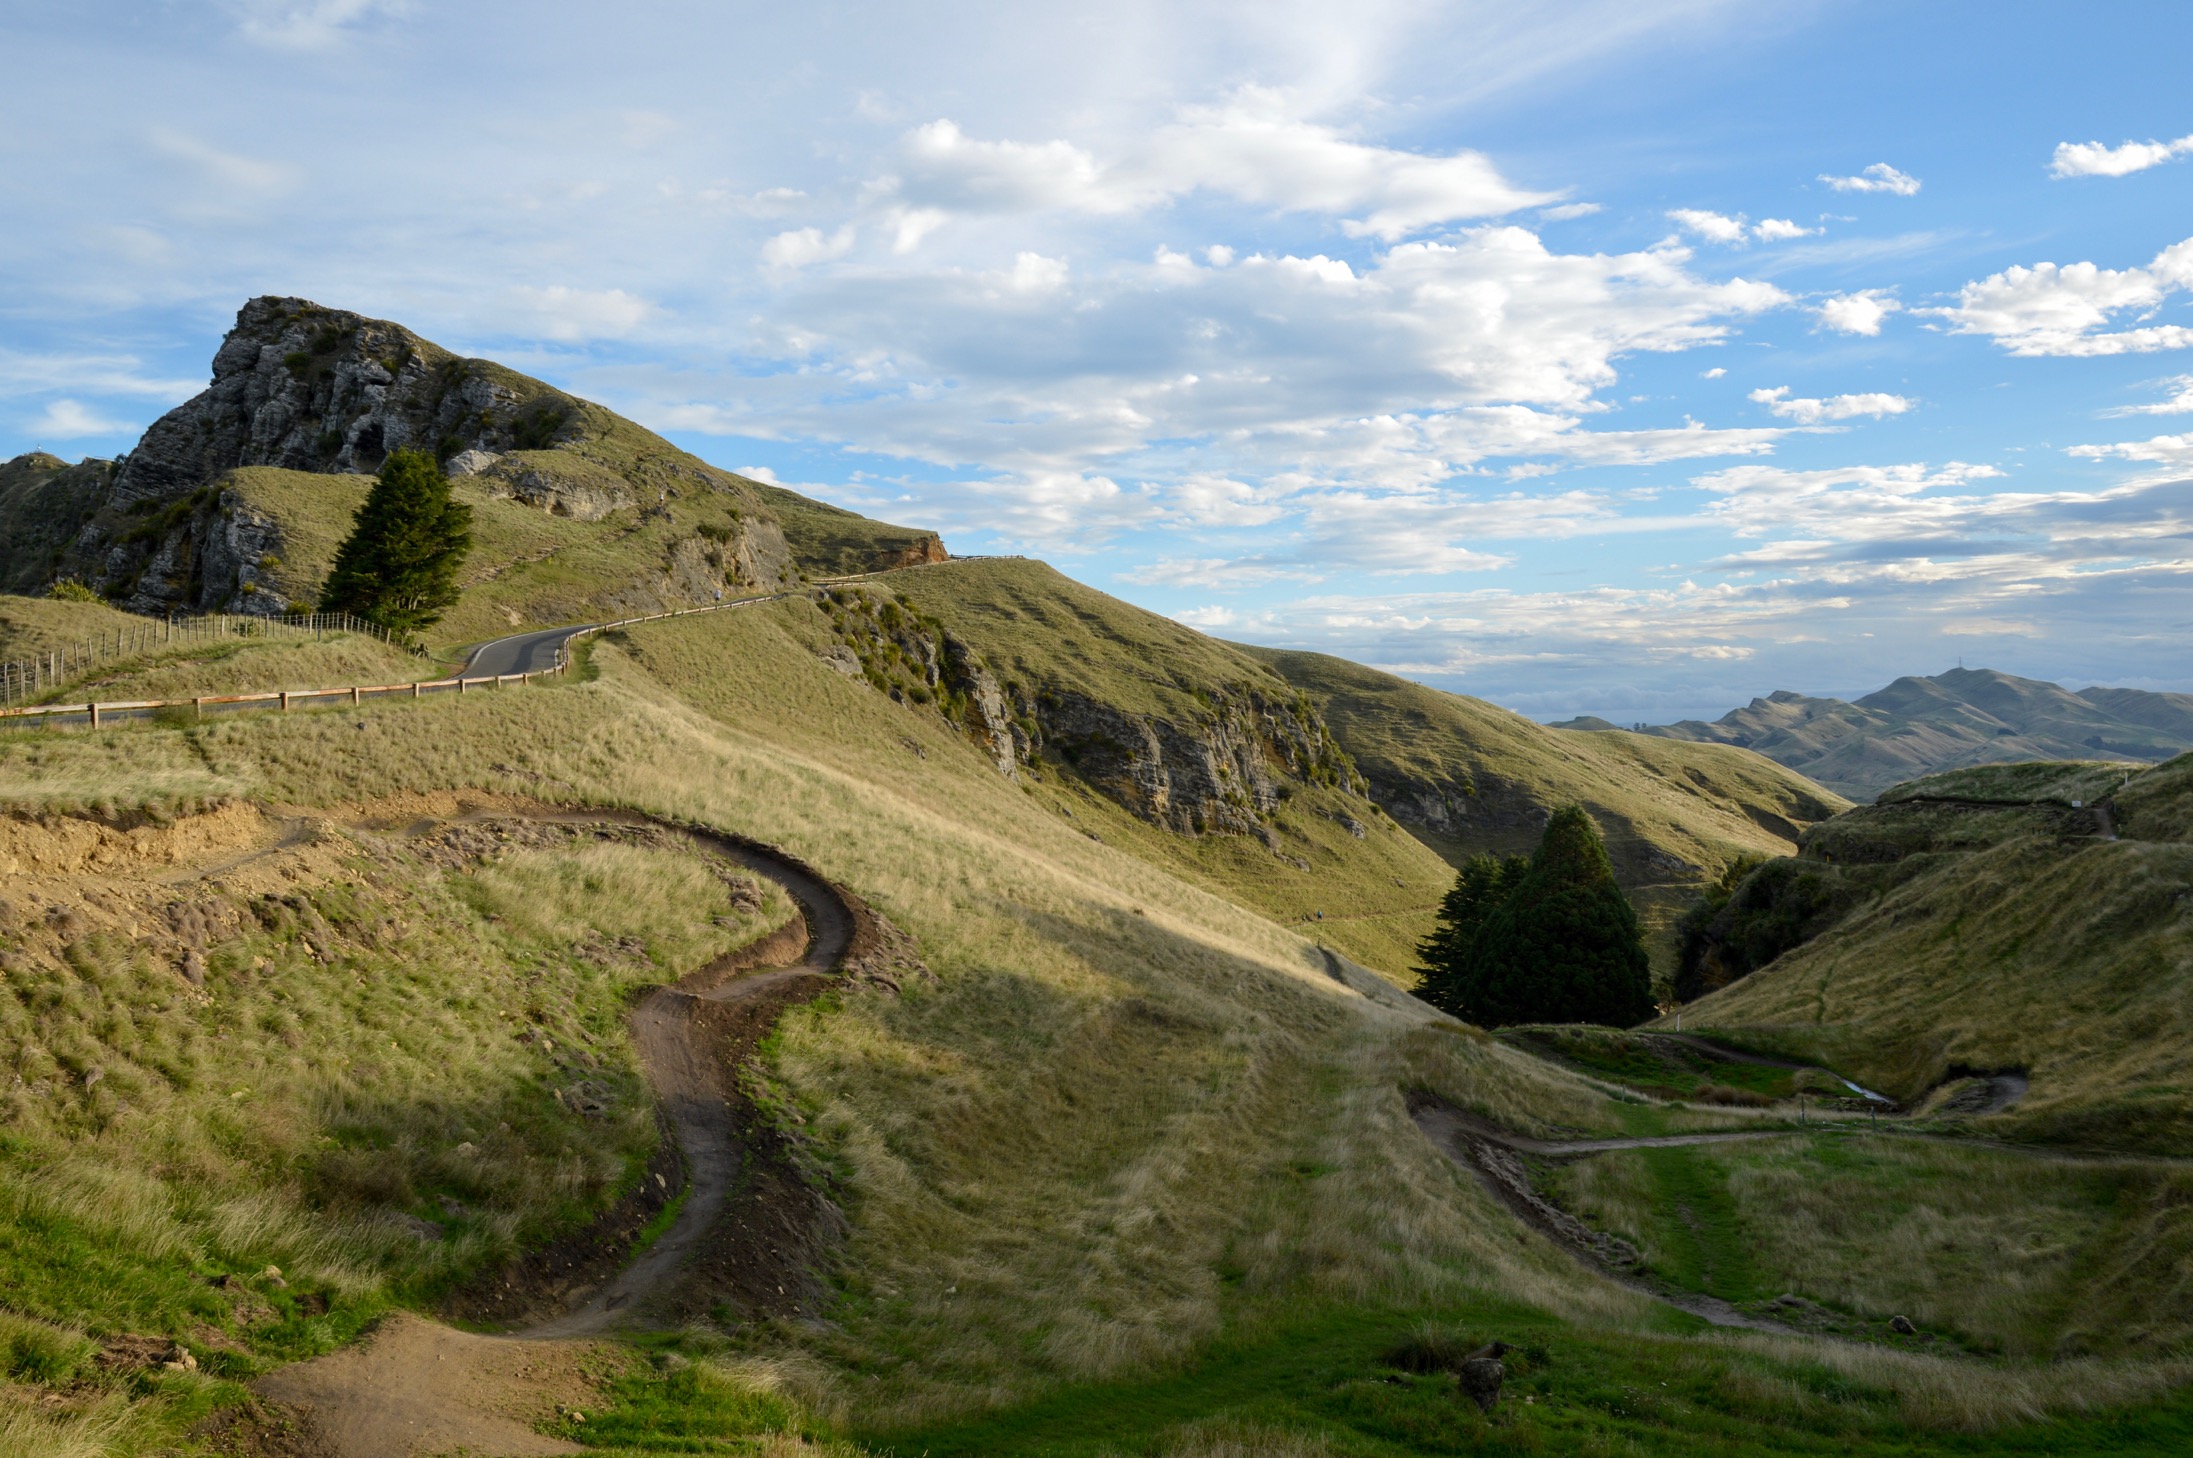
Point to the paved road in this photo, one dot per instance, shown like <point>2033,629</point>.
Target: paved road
<point>521,652</point>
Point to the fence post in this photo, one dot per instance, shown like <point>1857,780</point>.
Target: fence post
<point>285,701</point>
<point>93,710</point>
<point>198,707</point>
<point>414,690</point>
<point>354,696</point>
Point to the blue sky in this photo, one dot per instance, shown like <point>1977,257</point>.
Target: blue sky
<point>1595,357</point>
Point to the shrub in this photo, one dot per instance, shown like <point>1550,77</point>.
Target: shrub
<point>68,589</point>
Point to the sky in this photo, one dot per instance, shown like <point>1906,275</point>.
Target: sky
<point>1606,357</point>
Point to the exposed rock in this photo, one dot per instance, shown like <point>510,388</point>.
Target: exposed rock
<point>1902,1326</point>
<point>1482,1375</point>
<point>470,463</point>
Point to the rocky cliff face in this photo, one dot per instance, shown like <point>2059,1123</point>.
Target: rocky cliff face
<point>1224,770</point>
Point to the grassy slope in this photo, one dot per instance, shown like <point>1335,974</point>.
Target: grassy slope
<point>1038,627</point>
<point>1674,814</point>
<point>32,625</point>
<point>2006,935</point>
<point>1989,1249</point>
<point>1131,1126</point>
<point>347,1070</point>
<point>179,670</point>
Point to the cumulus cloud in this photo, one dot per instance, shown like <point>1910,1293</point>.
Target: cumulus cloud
<point>69,420</point>
<point>1859,313</point>
<point>1250,149</point>
<point>1735,231</point>
<point>572,314</point>
<point>799,247</point>
<point>2179,402</point>
<point>2166,450</point>
<point>1834,407</point>
<point>2048,309</point>
<point>1711,226</point>
<point>1880,177</point>
<point>1777,230</point>
<point>2094,159</point>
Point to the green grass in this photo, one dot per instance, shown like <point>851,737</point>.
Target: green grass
<point>1132,1147</point>
<point>2006,935</point>
<point>1335,1380</point>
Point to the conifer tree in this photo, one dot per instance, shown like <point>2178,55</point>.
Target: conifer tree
<point>1479,887</point>
<point>399,565</point>
<point>1555,942</point>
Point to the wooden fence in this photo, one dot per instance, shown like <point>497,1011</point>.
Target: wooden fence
<point>98,713</point>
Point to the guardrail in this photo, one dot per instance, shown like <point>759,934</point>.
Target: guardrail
<point>97,713</point>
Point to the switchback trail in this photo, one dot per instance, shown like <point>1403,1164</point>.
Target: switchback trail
<point>416,1386</point>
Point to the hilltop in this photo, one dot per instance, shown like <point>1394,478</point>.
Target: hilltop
<point>235,500</point>
<point>1922,726</point>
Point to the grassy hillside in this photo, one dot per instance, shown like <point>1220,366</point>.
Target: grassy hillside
<point>1467,776</point>
<point>1987,925</point>
<point>33,625</point>
<point>1134,1174</point>
<point>185,668</point>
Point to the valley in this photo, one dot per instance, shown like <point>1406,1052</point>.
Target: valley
<point>904,1004</point>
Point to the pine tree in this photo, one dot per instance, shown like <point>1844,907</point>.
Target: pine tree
<point>1479,887</point>
<point>1555,942</point>
<point>399,566</point>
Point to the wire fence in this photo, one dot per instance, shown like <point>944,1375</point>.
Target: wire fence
<point>54,669</point>
<point>43,673</point>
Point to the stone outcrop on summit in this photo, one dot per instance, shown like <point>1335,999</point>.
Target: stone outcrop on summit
<point>303,394</point>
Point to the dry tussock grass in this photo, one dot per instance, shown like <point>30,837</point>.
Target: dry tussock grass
<point>1123,1090</point>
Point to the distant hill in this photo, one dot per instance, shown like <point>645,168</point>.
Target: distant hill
<point>235,500</point>
<point>1923,726</point>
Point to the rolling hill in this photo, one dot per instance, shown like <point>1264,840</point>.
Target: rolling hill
<point>1922,726</point>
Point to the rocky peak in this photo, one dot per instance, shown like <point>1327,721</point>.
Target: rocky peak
<point>308,388</point>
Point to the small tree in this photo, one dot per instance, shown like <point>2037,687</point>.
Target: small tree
<point>399,566</point>
<point>1553,942</point>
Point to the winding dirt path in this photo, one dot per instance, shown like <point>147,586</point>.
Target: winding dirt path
<point>417,1386</point>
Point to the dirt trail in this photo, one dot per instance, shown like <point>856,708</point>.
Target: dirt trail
<point>418,1387</point>
<point>1488,1151</point>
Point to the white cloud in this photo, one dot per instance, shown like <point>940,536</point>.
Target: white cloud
<point>1207,617</point>
<point>1859,313</point>
<point>1880,177</point>
<point>1777,230</point>
<point>1713,374</point>
<point>2067,310</point>
<point>2179,403</point>
<point>2166,450</point>
<point>1251,148</point>
<point>799,247</point>
<point>1568,211</point>
<point>1734,231</point>
<point>306,25</point>
<point>575,314</point>
<point>68,420</point>
<point>2093,159</point>
<point>1711,226</point>
<point>1833,407</point>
